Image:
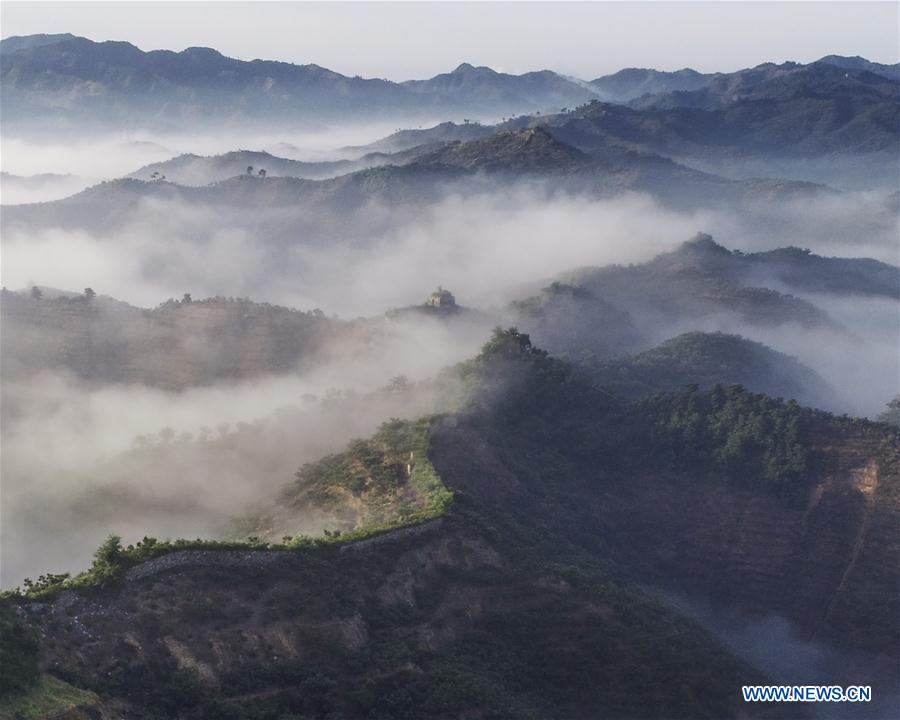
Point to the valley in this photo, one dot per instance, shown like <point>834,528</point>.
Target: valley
<point>501,392</point>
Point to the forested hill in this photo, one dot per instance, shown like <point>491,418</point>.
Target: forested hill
<point>539,488</point>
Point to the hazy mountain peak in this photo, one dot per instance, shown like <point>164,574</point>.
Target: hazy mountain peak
<point>860,63</point>
<point>844,59</point>
<point>21,42</point>
<point>469,68</point>
<point>200,51</point>
<point>700,247</point>
<point>704,241</point>
<point>631,83</point>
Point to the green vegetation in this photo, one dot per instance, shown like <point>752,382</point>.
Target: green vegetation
<point>389,474</point>
<point>749,438</point>
<point>708,359</point>
<point>388,477</point>
<point>47,698</point>
<point>509,343</point>
<point>509,359</point>
<point>18,652</point>
<point>727,433</point>
<point>111,559</point>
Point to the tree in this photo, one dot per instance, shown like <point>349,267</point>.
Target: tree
<point>249,169</point>
<point>110,551</point>
<point>107,558</point>
<point>892,414</point>
<point>508,343</point>
<point>36,293</point>
<point>186,299</point>
<point>399,383</point>
<point>262,172</point>
<point>89,293</point>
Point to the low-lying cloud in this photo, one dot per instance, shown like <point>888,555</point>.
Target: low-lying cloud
<point>82,460</point>
<point>115,156</point>
<point>485,247</point>
<point>68,444</point>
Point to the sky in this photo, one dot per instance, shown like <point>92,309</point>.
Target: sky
<point>405,40</point>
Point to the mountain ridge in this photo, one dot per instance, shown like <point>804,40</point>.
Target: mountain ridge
<point>114,81</point>
<point>422,174</point>
<point>784,469</point>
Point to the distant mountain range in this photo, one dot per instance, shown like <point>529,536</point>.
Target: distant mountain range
<point>632,83</point>
<point>816,123</point>
<point>412,178</point>
<point>701,279</point>
<point>115,82</point>
<point>106,84</point>
<point>482,87</point>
